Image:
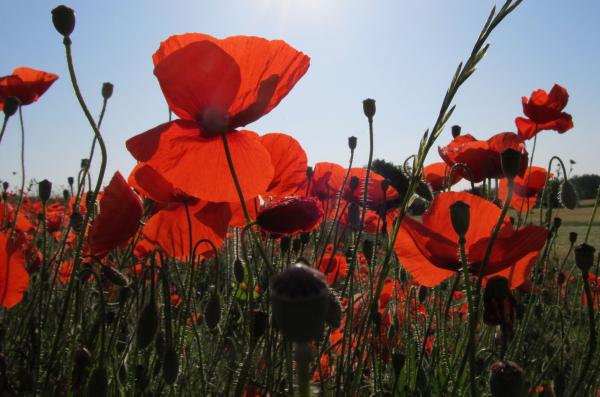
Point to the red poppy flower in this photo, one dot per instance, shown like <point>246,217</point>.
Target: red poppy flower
<point>14,279</point>
<point>151,184</point>
<point>544,112</point>
<point>290,215</point>
<point>334,267</point>
<point>217,85</point>
<point>7,216</point>
<point>26,84</point>
<point>482,158</point>
<point>429,250</point>
<point>120,214</point>
<point>169,227</point>
<point>436,175</point>
<point>325,182</point>
<point>289,162</point>
<point>526,188</point>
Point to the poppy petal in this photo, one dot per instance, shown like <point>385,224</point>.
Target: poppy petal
<point>120,214</point>
<point>25,83</point>
<point>289,164</point>
<point>169,228</point>
<point>14,279</point>
<point>198,166</point>
<point>198,77</point>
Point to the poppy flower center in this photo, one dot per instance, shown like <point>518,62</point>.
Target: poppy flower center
<point>214,120</point>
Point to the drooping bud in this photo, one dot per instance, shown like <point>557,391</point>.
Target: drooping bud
<point>299,297</point>
<point>334,310</point>
<point>499,304</point>
<point>212,312</point>
<point>460,215</point>
<point>507,380</point>
<point>63,19</point>
<point>511,161</point>
<point>568,195</point>
<point>352,142</point>
<point>11,105</point>
<point>107,90</point>
<point>170,366</point>
<point>584,257</point>
<point>44,190</point>
<point>238,270</point>
<point>455,131</point>
<point>369,108</point>
<point>147,325</point>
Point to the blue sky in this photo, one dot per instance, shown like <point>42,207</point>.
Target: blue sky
<point>402,53</point>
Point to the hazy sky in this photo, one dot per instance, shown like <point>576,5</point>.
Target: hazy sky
<point>402,53</point>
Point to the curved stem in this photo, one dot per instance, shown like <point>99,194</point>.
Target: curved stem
<point>4,123</point>
<point>21,192</point>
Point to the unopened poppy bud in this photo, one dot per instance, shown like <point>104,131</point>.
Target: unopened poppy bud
<point>44,190</point>
<point>260,321</point>
<point>507,380</point>
<point>81,358</point>
<point>353,184</point>
<point>238,270</point>
<point>5,186</point>
<point>556,223</point>
<point>66,195</point>
<point>63,19</point>
<point>369,108</point>
<point>352,142</point>
<point>299,297</point>
<point>584,257</point>
<point>572,237</point>
<point>461,217</point>
<point>11,105</point>
<point>367,249</point>
<point>568,195</point>
<point>114,276</point>
<point>455,131</point>
<point>212,312</point>
<point>353,215</point>
<point>511,162</point>
<point>107,90</point>
<point>98,384</point>
<point>170,366</point>
<point>398,360</point>
<point>147,325</point>
<point>85,163</point>
<point>334,310</point>
<point>70,180</point>
<point>285,244</point>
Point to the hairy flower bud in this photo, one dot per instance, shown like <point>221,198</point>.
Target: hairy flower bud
<point>238,270</point>
<point>584,257</point>
<point>461,217</point>
<point>212,312</point>
<point>455,131</point>
<point>11,105</point>
<point>568,195</point>
<point>147,325</point>
<point>44,190</point>
<point>107,90</point>
<point>63,19</point>
<point>352,142</point>
<point>170,366</point>
<point>334,310</point>
<point>369,108</point>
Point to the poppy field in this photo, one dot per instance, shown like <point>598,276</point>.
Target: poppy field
<point>224,264</point>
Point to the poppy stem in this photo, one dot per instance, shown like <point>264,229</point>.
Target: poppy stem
<point>21,192</point>
<point>238,188</point>
<point>591,222</point>
<point>592,338</point>
<point>472,316</point>
<point>4,123</point>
